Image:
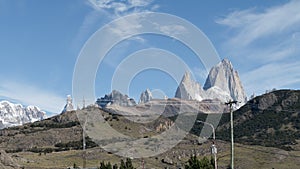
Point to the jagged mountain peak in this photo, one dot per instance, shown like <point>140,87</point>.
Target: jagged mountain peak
<point>16,114</point>
<point>226,61</point>
<point>223,83</point>
<point>186,76</point>
<point>189,89</point>
<point>218,74</point>
<point>224,77</point>
<point>146,96</point>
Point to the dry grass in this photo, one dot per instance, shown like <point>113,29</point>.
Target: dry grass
<point>246,157</point>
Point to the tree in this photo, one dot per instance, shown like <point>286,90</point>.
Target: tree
<point>75,166</point>
<point>124,165</point>
<point>127,164</point>
<point>105,166</point>
<point>195,163</point>
<point>115,166</point>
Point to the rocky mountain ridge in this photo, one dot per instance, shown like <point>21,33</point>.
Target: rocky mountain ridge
<point>117,98</point>
<point>15,114</point>
<point>223,83</point>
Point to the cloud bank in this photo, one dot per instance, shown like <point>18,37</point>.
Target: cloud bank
<point>31,95</point>
<point>267,42</point>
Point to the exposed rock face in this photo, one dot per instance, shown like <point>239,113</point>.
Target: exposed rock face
<point>146,96</point>
<point>223,83</point>
<point>189,89</point>
<point>223,80</point>
<point>115,97</point>
<point>69,105</point>
<point>6,162</point>
<point>15,114</point>
<point>267,101</point>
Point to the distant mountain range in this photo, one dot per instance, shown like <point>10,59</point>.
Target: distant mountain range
<point>223,84</point>
<point>15,114</point>
<point>268,120</point>
<point>117,98</point>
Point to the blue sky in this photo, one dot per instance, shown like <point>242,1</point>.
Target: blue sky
<point>41,40</point>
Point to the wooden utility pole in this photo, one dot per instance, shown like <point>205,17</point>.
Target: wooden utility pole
<point>230,103</point>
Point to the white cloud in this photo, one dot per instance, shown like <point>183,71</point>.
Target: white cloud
<point>269,52</point>
<point>124,27</point>
<point>122,7</point>
<point>265,44</point>
<point>172,30</point>
<point>30,95</point>
<point>273,75</point>
<point>251,25</point>
<point>107,10</point>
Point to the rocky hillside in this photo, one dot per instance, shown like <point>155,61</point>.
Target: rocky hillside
<point>272,119</point>
<point>36,136</point>
<point>7,162</point>
<point>64,132</point>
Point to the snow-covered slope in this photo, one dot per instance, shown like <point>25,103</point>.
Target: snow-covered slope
<point>15,114</point>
